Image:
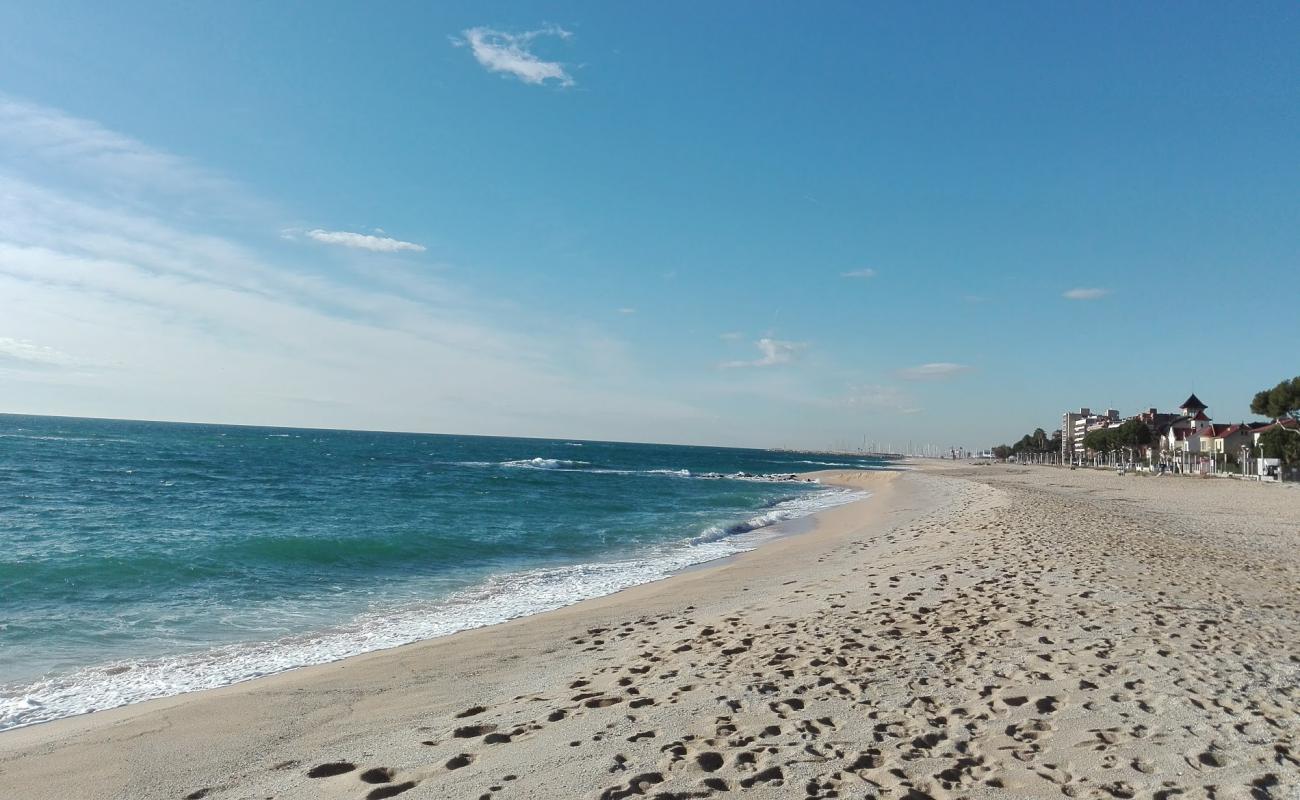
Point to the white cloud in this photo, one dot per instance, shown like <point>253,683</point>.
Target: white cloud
<point>865,272</point>
<point>774,352</point>
<point>30,354</point>
<point>936,371</point>
<point>510,53</point>
<point>1085,294</point>
<point>732,336</point>
<point>363,241</point>
<point>627,310</point>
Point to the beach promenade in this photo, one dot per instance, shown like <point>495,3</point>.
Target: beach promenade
<point>965,632</point>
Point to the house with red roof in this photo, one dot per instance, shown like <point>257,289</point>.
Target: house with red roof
<point>1218,440</point>
<point>1185,441</point>
<point>1181,433</point>
<point>1260,428</point>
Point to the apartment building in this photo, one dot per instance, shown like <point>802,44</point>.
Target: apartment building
<point>1075,425</point>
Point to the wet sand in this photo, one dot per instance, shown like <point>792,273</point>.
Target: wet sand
<point>965,632</point>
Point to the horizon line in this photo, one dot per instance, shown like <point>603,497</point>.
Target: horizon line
<point>417,433</point>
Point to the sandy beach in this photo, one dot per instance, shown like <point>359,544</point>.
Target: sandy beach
<point>965,632</point>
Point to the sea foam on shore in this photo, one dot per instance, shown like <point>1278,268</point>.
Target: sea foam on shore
<point>497,599</point>
<point>150,560</point>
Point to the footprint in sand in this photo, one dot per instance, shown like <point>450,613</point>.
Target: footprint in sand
<point>462,760</point>
<point>377,775</point>
<point>390,791</point>
<point>330,769</point>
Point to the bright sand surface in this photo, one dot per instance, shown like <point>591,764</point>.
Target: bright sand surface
<point>965,632</point>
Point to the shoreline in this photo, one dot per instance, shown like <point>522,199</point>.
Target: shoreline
<point>422,622</point>
<point>965,632</point>
<point>775,533</point>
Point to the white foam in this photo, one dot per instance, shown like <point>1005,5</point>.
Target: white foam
<point>498,599</point>
<point>792,508</point>
<point>852,465</point>
<point>544,463</point>
<point>564,465</point>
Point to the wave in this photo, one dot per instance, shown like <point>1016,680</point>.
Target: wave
<point>544,463</point>
<point>676,473</point>
<point>51,438</point>
<point>782,511</point>
<point>497,599</point>
<point>566,465</point>
<point>827,463</point>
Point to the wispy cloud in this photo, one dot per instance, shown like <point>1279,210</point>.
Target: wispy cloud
<point>865,272</point>
<point>731,336</point>
<point>117,301</point>
<point>363,241</point>
<point>511,54</point>
<point>52,146</point>
<point>880,397</point>
<point>936,371</point>
<point>1085,294</point>
<point>30,354</point>
<point>774,352</point>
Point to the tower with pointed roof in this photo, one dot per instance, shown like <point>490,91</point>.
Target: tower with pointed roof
<point>1193,407</point>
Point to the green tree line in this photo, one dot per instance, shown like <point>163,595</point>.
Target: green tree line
<point>1132,434</point>
<point>1282,402</point>
<point>1036,442</point>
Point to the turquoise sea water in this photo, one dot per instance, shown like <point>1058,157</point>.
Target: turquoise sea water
<point>144,559</point>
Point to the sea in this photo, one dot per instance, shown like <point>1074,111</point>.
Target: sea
<point>145,559</point>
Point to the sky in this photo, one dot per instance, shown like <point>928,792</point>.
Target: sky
<point>753,224</point>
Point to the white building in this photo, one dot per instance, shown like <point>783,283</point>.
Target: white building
<point>1075,425</point>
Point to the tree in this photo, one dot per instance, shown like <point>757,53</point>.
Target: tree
<point>1133,433</point>
<point>1279,402</point>
<point>1102,440</point>
<point>1001,452</point>
<point>1280,443</point>
<point>1036,442</point>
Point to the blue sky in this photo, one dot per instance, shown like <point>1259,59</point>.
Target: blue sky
<point>737,224</point>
